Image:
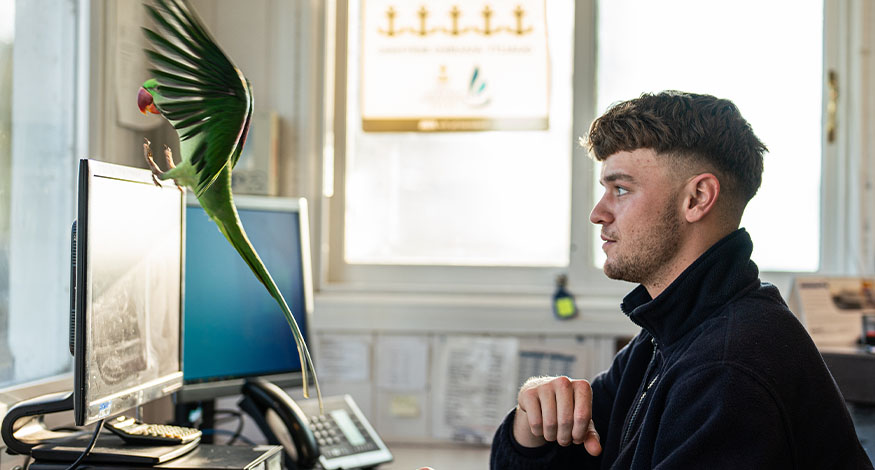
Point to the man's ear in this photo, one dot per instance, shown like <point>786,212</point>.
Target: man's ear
<point>701,193</point>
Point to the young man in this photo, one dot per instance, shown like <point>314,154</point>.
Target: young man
<point>722,375</point>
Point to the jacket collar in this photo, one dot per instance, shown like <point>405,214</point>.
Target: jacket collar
<point>711,281</point>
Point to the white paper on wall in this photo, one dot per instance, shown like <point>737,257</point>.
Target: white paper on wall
<point>402,363</point>
<point>475,383</point>
<point>344,358</point>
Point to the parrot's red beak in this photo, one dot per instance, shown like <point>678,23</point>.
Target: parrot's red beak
<point>145,102</point>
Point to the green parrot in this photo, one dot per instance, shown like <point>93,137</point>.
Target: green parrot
<point>209,103</point>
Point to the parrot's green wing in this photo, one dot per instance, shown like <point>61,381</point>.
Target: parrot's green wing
<point>209,102</point>
<point>203,95</point>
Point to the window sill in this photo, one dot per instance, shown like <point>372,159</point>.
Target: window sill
<point>464,313</point>
<point>342,308</point>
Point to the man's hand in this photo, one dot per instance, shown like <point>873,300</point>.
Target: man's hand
<point>556,409</point>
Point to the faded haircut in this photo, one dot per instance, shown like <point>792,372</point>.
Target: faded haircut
<point>695,131</point>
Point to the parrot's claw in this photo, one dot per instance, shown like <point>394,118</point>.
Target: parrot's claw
<point>168,155</point>
<point>147,152</point>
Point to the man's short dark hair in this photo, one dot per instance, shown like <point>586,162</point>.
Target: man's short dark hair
<point>696,130</point>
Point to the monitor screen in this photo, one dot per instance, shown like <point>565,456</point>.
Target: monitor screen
<point>127,291</point>
<point>233,328</point>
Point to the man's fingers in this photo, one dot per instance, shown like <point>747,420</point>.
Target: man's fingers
<point>553,409</point>
<point>582,411</point>
<point>547,397</point>
<point>565,407</point>
<point>530,403</point>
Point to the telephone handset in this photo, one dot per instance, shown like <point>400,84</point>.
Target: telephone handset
<point>266,402</point>
<point>340,438</point>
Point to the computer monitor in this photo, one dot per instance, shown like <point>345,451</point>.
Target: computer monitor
<point>233,328</point>
<point>128,292</point>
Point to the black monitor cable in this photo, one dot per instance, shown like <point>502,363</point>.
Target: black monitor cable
<point>237,434</point>
<point>90,447</point>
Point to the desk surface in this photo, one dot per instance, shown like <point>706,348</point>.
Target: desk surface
<point>438,457</point>
<point>407,457</point>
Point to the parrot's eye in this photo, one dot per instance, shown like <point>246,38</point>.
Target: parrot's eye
<point>145,102</point>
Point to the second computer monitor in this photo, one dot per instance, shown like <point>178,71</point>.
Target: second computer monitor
<point>233,328</point>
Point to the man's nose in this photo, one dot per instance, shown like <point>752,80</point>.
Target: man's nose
<point>600,214</point>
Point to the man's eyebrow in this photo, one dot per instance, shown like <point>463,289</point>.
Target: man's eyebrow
<point>618,177</point>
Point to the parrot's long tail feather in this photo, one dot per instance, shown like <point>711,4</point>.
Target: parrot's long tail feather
<point>220,207</point>
<point>237,236</point>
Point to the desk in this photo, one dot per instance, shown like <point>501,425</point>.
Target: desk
<point>407,457</point>
<point>854,372</point>
<point>437,456</point>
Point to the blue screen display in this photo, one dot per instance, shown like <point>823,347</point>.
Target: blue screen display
<point>233,327</point>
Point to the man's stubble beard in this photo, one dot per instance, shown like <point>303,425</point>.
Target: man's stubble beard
<point>652,252</point>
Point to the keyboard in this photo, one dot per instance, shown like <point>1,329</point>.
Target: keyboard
<point>137,432</point>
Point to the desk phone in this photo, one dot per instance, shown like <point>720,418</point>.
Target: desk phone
<point>346,438</point>
<point>339,438</point>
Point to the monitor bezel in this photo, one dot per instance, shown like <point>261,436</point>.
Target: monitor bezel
<point>200,390</point>
<point>163,386</point>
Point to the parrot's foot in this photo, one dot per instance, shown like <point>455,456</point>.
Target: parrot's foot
<point>147,152</point>
<point>168,155</point>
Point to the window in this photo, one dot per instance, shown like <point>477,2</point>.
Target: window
<point>38,89</point>
<point>389,189</point>
<point>456,199</point>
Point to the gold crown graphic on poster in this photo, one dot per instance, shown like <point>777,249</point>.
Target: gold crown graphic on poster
<point>455,29</point>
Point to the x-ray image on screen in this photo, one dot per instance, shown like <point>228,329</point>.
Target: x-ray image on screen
<point>133,301</point>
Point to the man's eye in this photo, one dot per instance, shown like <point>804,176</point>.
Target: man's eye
<point>620,191</point>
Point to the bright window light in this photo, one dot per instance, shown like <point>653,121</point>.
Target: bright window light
<point>7,20</point>
<point>496,198</point>
<point>767,57</point>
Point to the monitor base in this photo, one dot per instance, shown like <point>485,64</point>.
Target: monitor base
<point>110,449</point>
<point>24,426</point>
<point>204,456</point>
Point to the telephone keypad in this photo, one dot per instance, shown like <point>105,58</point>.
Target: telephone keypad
<point>343,434</point>
<point>332,442</point>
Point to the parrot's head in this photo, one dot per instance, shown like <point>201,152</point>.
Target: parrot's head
<point>145,99</point>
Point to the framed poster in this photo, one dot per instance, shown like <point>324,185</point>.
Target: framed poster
<point>441,65</point>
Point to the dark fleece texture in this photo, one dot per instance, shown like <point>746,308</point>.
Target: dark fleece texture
<point>736,383</point>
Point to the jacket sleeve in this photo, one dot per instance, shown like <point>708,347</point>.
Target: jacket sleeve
<point>507,454</point>
<point>722,416</point>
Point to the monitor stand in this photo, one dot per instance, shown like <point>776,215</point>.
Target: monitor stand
<point>25,432</point>
<point>110,449</point>
<point>24,426</point>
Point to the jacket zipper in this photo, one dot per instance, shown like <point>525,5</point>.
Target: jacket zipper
<point>628,431</point>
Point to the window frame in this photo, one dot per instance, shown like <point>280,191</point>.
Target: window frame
<point>842,229</point>
<point>339,275</point>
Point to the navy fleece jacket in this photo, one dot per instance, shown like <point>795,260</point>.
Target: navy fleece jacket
<point>722,375</point>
